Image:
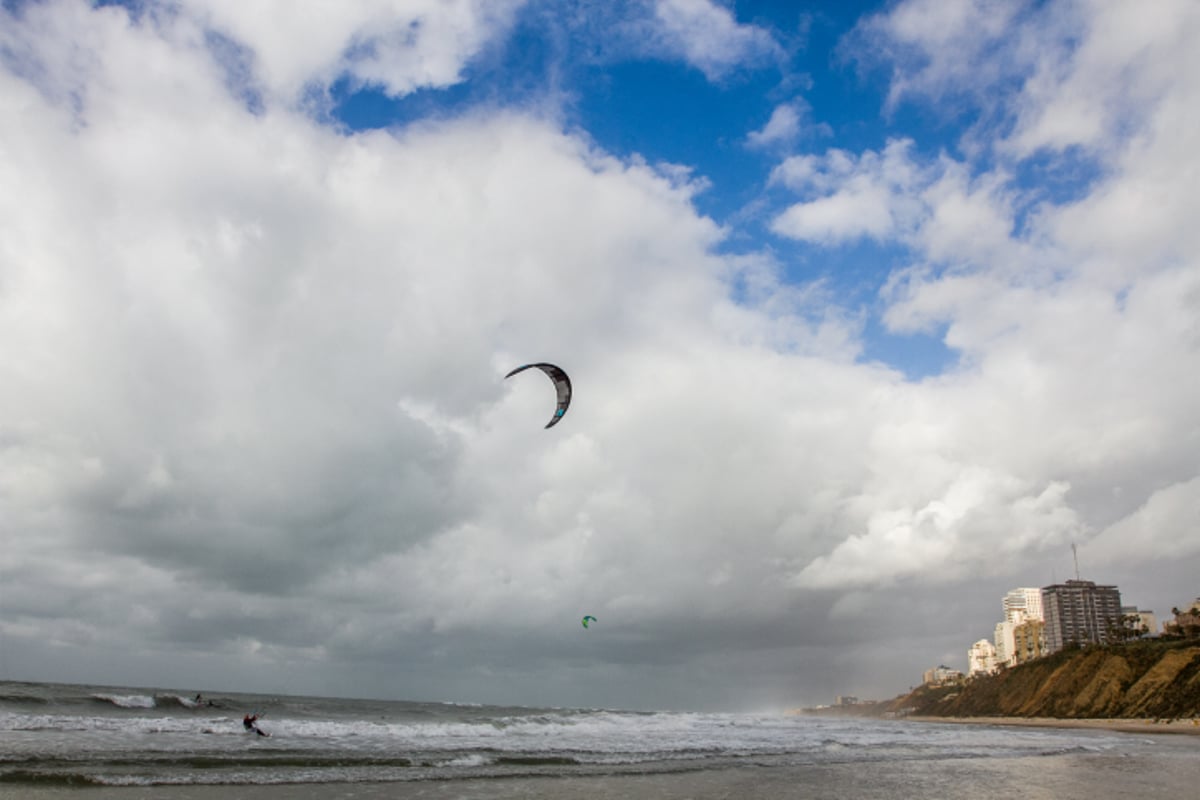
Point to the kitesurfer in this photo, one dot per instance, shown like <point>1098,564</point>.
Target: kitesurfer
<point>250,723</point>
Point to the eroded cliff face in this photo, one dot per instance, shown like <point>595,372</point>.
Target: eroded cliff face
<point>1137,680</point>
<point>1144,697</point>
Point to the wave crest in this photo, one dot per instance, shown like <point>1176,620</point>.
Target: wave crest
<point>126,700</point>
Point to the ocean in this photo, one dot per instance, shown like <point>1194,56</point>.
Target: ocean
<point>99,742</point>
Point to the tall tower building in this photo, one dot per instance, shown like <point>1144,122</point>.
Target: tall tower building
<point>1027,601</point>
<point>1079,612</point>
<point>1022,607</point>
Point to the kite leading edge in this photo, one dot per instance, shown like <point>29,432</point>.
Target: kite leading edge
<point>562,385</point>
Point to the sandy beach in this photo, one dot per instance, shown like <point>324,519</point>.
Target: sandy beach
<point>1177,726</point>
<point>1076,776</point>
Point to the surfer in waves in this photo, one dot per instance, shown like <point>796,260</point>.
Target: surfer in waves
<point>250,723</point>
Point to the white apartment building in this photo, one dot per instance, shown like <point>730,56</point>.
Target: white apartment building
<point>1005,641</point>
<point>981,658</point>
<point>1027,601</point>
<point>941,675</point>
<point>1020,606</point>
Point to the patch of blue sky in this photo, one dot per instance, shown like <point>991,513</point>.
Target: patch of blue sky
<point>855,270</point>
<point>1058,177</point>
<point>361,108</point>
<point>518,70</point>
<point>916,356</point>
<point>665,111</point>
<point>935,132</point>
<point>853,273</point>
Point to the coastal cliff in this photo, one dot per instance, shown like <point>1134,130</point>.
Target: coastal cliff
<point>1145,679</point>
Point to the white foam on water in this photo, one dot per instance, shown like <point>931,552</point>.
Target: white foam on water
<point>127,700</point>
<point>472,760</point>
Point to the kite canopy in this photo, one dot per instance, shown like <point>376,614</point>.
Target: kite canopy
<point>585,620</point>
<point>562,384</point>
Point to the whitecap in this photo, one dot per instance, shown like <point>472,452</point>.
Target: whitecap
<point>127,700</point>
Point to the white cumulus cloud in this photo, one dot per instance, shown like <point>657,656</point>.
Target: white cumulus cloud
<point>709,37</point>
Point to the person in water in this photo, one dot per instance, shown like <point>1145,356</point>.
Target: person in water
<point>250,723</point>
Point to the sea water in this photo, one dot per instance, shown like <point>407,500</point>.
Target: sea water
<point>55,738</point>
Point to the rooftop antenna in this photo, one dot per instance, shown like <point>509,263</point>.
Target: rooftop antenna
<point>1075,556</point>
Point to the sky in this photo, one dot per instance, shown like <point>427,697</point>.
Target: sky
<point>872,311</point>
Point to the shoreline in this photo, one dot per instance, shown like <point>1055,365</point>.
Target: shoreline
<point>1187,727</point>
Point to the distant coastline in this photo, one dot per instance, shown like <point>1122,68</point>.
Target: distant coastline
<point>1144,686</point>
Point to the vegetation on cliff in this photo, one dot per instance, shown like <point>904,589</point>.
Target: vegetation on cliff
<point>1141,679</point>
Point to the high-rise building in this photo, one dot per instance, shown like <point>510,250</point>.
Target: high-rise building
<point>1021,606</point>
<point>1079,612</point>
<point>1024,602</point>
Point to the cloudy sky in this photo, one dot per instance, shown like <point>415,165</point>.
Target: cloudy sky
<point>872,311</point>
